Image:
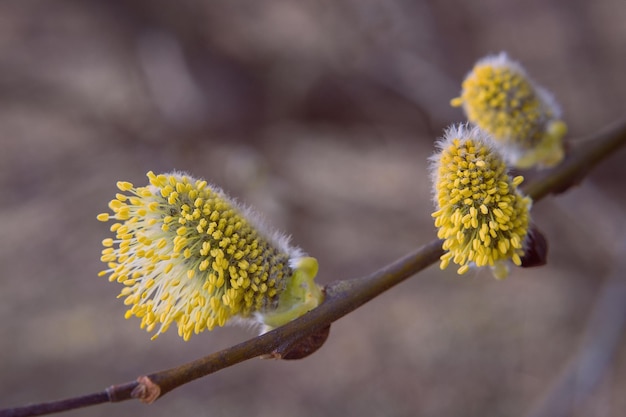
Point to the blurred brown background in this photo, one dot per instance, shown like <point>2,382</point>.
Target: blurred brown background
<point>321,114</point>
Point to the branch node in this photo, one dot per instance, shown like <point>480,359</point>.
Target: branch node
<point>147,391</point>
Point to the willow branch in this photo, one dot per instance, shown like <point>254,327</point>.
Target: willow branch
<point>342,297</point>
<point>589,152</point>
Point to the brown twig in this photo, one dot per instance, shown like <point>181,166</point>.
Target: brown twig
<point>578,163</point>
<point>342,297</point>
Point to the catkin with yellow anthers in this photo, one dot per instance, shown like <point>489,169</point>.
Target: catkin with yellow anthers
<point>197,259</point>
<point>480,214</point>
<point>499,97</point>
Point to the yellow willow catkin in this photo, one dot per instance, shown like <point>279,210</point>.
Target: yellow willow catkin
<point>523,118</point>
<point>187,254</point>
<point>481,215</point>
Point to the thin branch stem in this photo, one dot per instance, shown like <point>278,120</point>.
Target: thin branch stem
<point>576,166</point>
<point>57,406</point>
<point>342,297</point>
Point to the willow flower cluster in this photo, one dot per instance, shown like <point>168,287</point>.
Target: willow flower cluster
<point>500,98</point>
<point>188,254</point>
<point>481,216</point>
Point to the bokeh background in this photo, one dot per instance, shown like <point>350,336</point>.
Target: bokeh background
<point>321,114</point>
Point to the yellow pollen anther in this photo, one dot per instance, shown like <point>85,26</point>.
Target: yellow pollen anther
<point>124,185</point>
